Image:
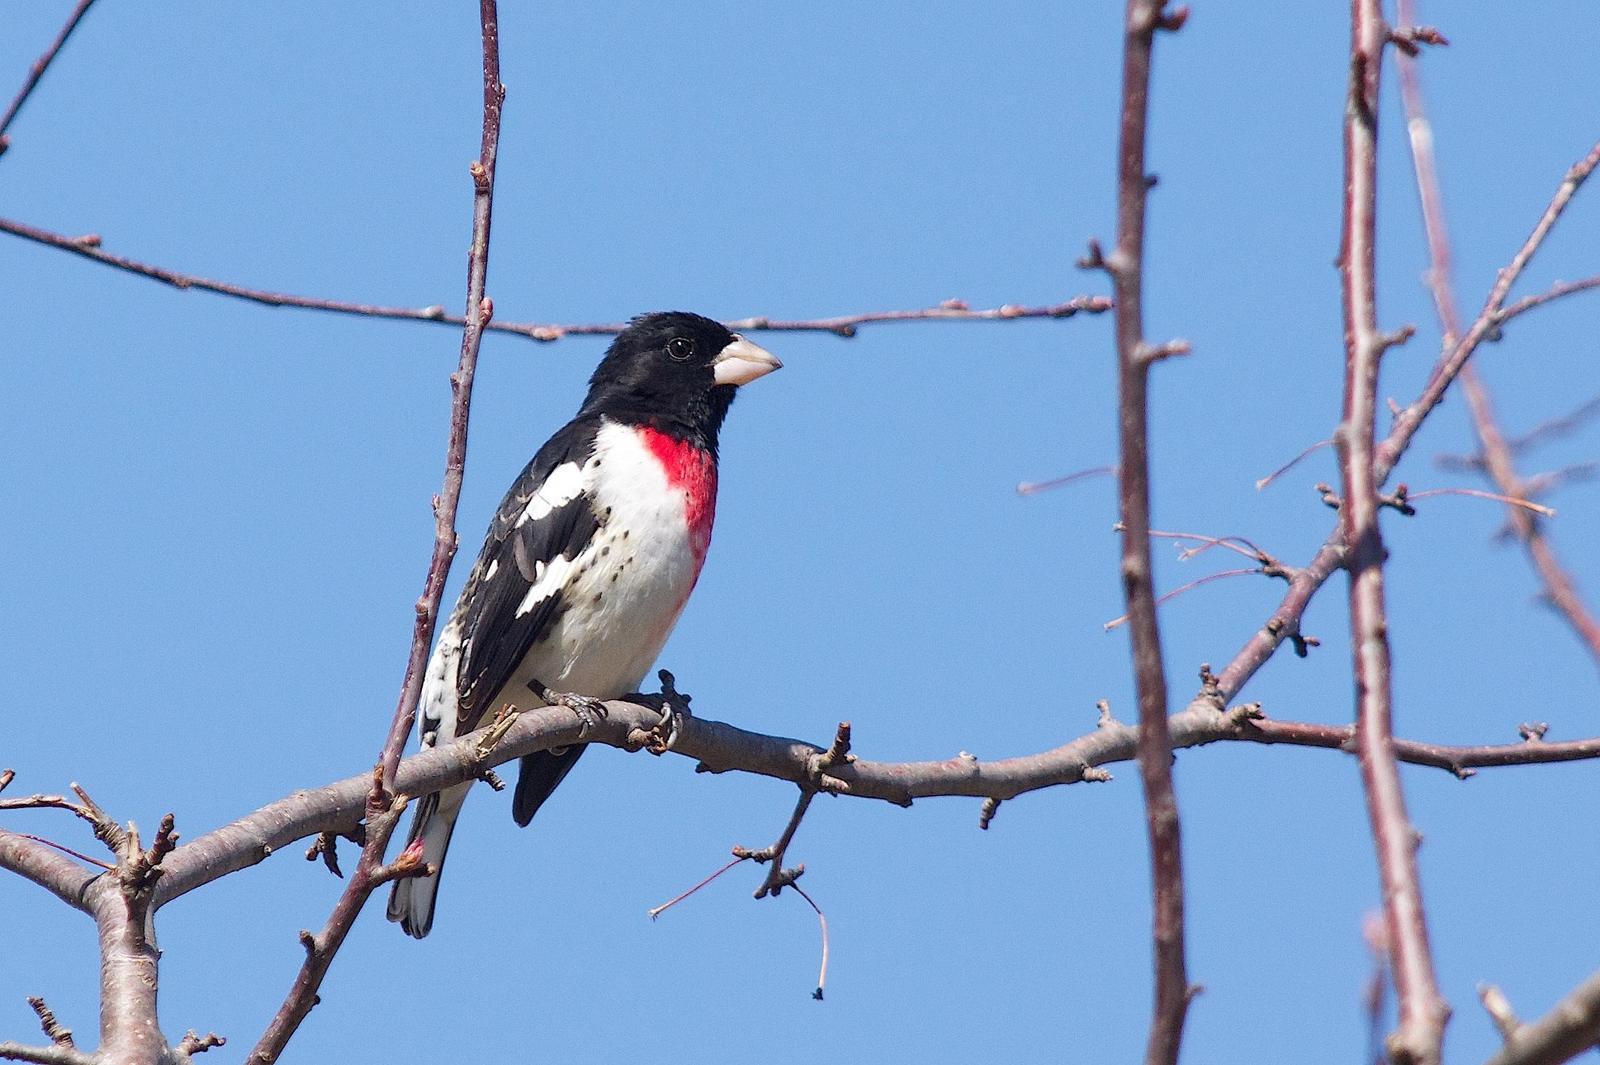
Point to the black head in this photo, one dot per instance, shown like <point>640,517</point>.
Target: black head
<point>676,372</point>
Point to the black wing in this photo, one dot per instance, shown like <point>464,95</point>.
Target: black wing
<point>544,521</point>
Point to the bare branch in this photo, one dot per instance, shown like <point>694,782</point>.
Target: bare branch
<point>54,1030</point>
<point>845,325</point>
<point>193,1043</point>
<point>721,747</point>
<point>1554,292</point>
<point>1418,1039</point>
<point>1135,355</point>
<point>1569,1029</point>
<point>1488,321</point>
<point>37,862</point>
<point>50,1055</point>
<point>1495,451</point>
<point>36,71</point>
<point>384,806</point>
<point>777,876</point>
<point>1284,622</point>
<point>1498,1007</point>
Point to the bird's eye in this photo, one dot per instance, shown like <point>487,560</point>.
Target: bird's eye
<point>680,348</point>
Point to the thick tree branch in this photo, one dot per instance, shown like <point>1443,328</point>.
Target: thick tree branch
<point>1135,355</point>
<point>721,747</point>
<point>36,71</point>
<point>1418,1039</point>
<point>845,325</point>
<point>1559,588</point>
<point>54,872</point>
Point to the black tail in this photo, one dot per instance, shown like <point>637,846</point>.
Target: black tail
<point>541,772</point>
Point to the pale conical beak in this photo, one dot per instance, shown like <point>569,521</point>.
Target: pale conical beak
<point>742,362</point>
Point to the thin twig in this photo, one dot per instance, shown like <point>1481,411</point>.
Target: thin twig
<point>1239,545</point>
<point>1135,355</point>
<point>67,850</point>
<point>845,325</point>
<point>1028,488</point>
<point>1539,299</point>
<point>670,903</point>
<point>1422,1011</point>
<point>384,805</point>
<point>1292,463</point>
<point>36,71</point>
<point>822,923</point>
<point>1495,451</point>
<point>1188,587</point>
<point>1475,493</point>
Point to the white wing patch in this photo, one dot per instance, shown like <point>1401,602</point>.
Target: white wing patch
<point>547,581</point>
<point>438,717</point>
<point>563,485</point>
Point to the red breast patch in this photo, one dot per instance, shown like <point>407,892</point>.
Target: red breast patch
<point>692,471</point>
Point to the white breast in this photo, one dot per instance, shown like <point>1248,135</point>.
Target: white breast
<point>625,591</point>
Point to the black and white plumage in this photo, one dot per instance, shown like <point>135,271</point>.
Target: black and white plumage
<point>588,561</point>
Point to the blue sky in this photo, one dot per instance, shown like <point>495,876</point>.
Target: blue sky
<point>219,516</point>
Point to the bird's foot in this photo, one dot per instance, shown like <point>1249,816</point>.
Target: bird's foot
<point>590,711</point>
<point>673,706</point>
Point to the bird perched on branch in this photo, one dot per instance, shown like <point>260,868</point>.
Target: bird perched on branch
<point>587,564</point>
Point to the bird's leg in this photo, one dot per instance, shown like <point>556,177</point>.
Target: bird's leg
<point>590,711</point>
<point>673,706</point>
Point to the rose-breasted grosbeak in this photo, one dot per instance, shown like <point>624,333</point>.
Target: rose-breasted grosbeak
<point>588,562</point>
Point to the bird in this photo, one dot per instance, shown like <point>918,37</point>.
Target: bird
<point>587,564</point>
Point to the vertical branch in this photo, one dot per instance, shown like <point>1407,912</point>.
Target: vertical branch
<point>479,310</point>
<point>1134,358</point>
<point>1422,1011</point>
<point>1559,589</point>
<point>384,807</point>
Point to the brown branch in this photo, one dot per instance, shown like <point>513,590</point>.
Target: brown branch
<point>54,1030</point>
<point>721,747</point>
<point>384,805</point>
<point>1135,355</point>
<point>1487,323</point>
<point>846,325</point>
<point>37,862</point>
<point>778,877</point>
<point>1284,622</point>
<point>1569,1029</point>
<point>36,71</point>
<point>1422,1011</point>
<point>1495,450</point>
<point>1554,292</point>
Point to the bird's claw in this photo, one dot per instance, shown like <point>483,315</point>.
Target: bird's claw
<point>590,711</point>
<point>674,708</point>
